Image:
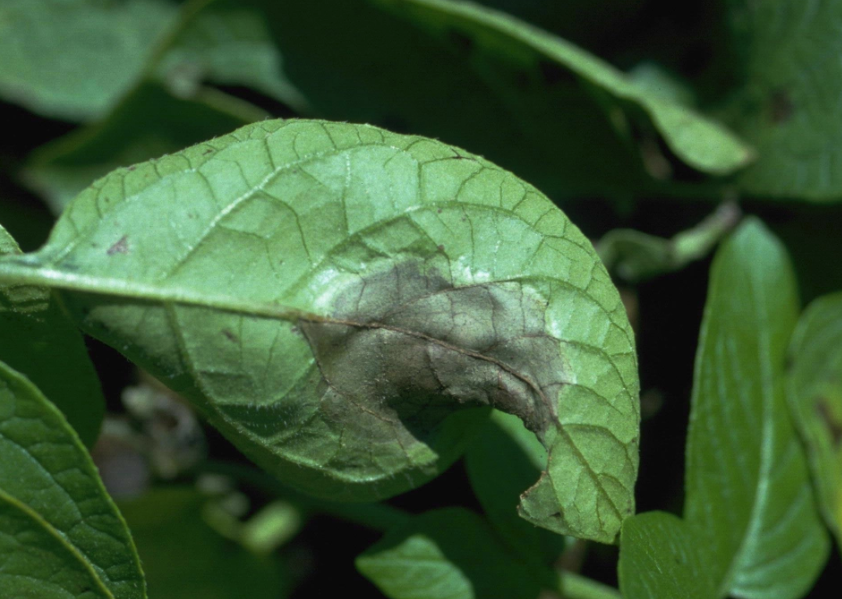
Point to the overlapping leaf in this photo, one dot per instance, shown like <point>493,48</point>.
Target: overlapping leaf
<point>814,392</point>
<point>38,339</point>
<point>60,533</point>
<point>73,59</point>
<point>751,523</point>
<point>788,107</point>
<point>331,294</point>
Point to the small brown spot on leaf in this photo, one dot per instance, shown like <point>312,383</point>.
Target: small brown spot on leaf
<point>131,168</point>
<point>208,151</point>
<point>121,247</point>
<point>441,247</point>
<point>230,335</point>
<point>781,106</point>
<point>834,426</point>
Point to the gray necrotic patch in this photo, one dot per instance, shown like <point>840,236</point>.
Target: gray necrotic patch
<point>407,348</point>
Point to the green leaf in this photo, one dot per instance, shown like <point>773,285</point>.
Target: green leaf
<point>503,460</point>
<point>814,391</point>
<point>447,554</point>
<point>787,105</point>
<point>61,535</point>
<point>747,483</point>
<point>184,557</point>
<point>147,123</point>
<point>662,557</point>
<point>73,59</point>
<point>700,142</point>
<point>38,339</point>
<point>226,42</point>
<point>331,296</point>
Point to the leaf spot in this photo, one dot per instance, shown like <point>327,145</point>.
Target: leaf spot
<point>120,247</point>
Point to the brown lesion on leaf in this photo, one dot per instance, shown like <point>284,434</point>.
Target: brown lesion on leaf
<point>228,334</point>
<point>832,423</point>
<point>406,347</point>
<point>121,246</point>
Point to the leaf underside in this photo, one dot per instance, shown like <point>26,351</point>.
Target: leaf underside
<point>332,296</point>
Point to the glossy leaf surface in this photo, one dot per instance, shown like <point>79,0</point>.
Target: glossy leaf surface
<point>60,533</point>
<point>38,339</point>
<point>447,554</point>
<point>331,295</point>
<point>751,527</point>
<point>747,483</point>
<point>815,398</point>
<point>662,558</point>
<point>73,59</point>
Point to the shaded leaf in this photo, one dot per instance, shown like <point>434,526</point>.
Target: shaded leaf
<point>814,392</point>
<point>38,339</point>
<point>447,554</point>
<point>225,42</point>
<point>73,59</point>
<point>702,143</point>
<point>662,557</point>
<point>788,105</point>
<point>148,122</point>
<point>61,536</point>
<point>504,459</point>
<point>184,557</point>
<point>747,484</point>
<point>382,283</point>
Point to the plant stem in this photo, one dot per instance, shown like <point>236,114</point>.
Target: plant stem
<point>576,586</point>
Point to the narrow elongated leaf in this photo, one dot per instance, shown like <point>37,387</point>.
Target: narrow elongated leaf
<point>38,339</point>
<point>447,554</point>
<point>331,295</point>
<point>662,557</point>
<point>788,106</point>
<point>60,533</point>
<point>702,143</point>
<point>814,392</point>
<point>73,59</point>
<point>746,480</point>
<point>184,557</point>
<point>751,528</point>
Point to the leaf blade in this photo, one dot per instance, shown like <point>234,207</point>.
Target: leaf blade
<point>747,487</point>
<point>814,394</point>
<point>362,220</point>
<point>48,481</point>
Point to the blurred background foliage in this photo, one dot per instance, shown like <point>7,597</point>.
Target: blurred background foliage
<point>653,124</point>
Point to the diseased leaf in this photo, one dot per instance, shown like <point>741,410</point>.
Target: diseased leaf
<point>746,478</point>
<point>788,105</point>
<point>38,339</point>
<point>662,557</point>
<point>60,533</point>
<point>73,59</point>
<point>503,460</point>
<point>185,558</point>
<point>148,122</point>
<point>814,391</point>
<point>700,142</point>
<point>330,296</point>
<point>447,554</point>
